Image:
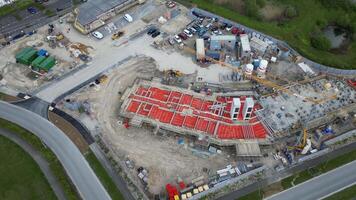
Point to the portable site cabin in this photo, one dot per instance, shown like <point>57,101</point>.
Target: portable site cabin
<point>27,58</point>
<point>37,62</point>
<point>22,52</point>
<point>47,64</point>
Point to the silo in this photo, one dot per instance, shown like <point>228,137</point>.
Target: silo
<point>248,69</point>
<point>263,66</point>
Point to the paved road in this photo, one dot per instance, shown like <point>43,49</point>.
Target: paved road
<point>35,105</point>
<point>38,158</point>
<point>88,185</point>
<point>322,185</point>
<point>283,174</point>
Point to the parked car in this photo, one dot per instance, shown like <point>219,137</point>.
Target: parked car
<point>206,38</point>
<point>235,30</point>
<point>151,30</point>
<point>192,30</point>
<point>32,10</point>
<point>156,33</point>
<point>177,39</point>
<point>170,4</point>
<point>171,41</point>
<point>197,14</point>
<point>128,18</point>
<point>97,35</point>
<point>217,32</point>
<point>183,36</point>
<point>223,26</point>
<point>188,33</point>
<point>228,27</point>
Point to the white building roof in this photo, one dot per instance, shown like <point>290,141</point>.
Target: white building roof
<point>200,48</point>
<point>306,68</point>
<point>245,43</point>
<point>223,37</point>
<point>258,44</point>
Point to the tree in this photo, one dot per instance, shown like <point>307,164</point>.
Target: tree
<point>320,42</point>
<point>261,3</point>
<point>290,12</point>
<point>251,9</point>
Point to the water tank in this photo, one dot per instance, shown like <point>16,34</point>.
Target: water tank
<point>256,63</point>
<point>249,69</point>
<point>263,66</point>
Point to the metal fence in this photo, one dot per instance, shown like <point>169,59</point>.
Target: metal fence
<point>219,186</point>
<point>316,66</point>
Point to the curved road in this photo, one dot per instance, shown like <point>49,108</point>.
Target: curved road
<point>38,158</point>
<point>87,183</point>
<point>321,186</point>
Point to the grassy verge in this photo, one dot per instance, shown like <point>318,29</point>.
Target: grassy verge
<point>348,193</point>
<point>55,165</point>
<point>18,6</point>
<point>306,175</point>
<point>21,177</point>
<point>252,196</point>
<point>104,177</point>
<point>296,32</point>
<point>319,169</point>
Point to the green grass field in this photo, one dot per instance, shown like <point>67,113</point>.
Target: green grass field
<point>346,194</point>
<point>308,174</point>
<point>295,32</point>
<point>319,169</point>
<point>55,165</point>
<point>21,177</point>
<point>19,5</point>
<point>104,177</point>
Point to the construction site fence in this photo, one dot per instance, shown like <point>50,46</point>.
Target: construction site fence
<point>231,181</point>
<point>314,155</point>
<point>316,66</point>
<point>341,138</point>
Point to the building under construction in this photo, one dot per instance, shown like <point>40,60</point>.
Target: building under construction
<point>222,120</point>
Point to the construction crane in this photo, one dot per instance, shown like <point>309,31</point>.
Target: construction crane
<point>263,81</point>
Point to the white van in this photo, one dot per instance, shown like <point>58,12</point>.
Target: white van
<point>128,18</point>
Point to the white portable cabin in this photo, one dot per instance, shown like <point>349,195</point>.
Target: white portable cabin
<point>200,49</point>
<point>245,45</point>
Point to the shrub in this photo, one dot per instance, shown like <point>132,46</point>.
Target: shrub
<point>320,42</point>
<point>261,3</point>
<point>251,9</point>
<point>290,12</point>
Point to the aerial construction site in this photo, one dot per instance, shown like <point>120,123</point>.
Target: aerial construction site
<point>187,103</point>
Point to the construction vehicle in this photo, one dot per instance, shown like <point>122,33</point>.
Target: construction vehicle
<point>173,73</point>
<point>117,35</point>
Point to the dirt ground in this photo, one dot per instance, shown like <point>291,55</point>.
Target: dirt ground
<point>19,76</point>
<point>272,12</point>
<point>70,131</point>
<point>161,155</point>
<point>286,71</point>
<point>8,98</point>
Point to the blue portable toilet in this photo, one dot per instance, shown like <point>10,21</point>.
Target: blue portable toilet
<point>42,52</point>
